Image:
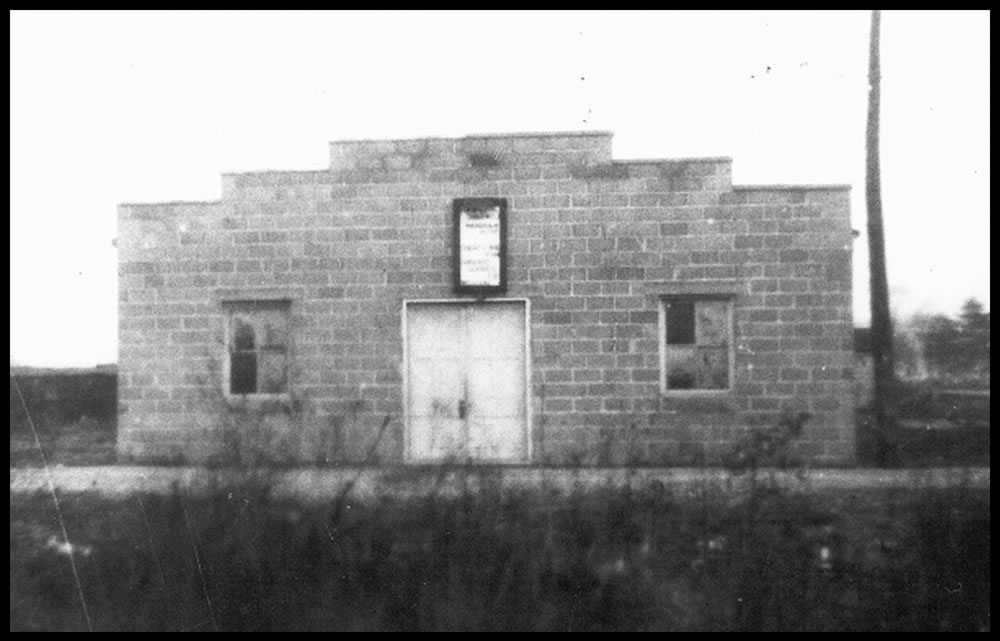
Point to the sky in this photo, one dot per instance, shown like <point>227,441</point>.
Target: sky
<point>113,107</point>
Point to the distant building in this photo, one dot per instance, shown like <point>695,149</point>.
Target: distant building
<point>496,299</point>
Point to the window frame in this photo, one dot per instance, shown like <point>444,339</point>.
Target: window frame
<point>232,308</point>
<point>730,300</point>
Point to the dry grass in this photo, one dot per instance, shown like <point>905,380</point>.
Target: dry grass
<point>604,560</point>
<point>85,442</point>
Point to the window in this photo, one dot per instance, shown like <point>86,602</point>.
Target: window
<point>257,347</point>
<point>695,341</point>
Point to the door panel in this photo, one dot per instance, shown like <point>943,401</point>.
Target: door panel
<point>466,382</point>
<point>436,387</point>
<point>437,439</point>
<point>489,440</point>
<point>496,388</point>
<point>436,331</point>
<point>495,330</point>
<point>437,384</point>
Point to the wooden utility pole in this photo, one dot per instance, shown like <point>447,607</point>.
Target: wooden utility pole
<point>881,335</point>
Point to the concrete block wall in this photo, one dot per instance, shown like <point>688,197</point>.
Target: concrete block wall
<point>593,244</point>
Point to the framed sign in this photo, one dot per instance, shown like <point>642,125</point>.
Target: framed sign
<point>480,245</point>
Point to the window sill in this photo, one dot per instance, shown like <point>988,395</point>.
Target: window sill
<point>699,401</point>
<point>696,393</point>
<point>259,402</point>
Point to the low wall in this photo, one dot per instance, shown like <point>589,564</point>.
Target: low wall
<point>370,482</point>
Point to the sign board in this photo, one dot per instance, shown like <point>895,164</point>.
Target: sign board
<point>480,245</point>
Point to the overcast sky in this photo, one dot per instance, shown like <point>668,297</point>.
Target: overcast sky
<point>140,107</point>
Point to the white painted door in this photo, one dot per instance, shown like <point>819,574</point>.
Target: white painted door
<point>467,384</point>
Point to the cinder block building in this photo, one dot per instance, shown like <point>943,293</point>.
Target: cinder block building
<point>495,299</point>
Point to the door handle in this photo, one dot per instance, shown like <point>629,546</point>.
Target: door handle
<point>462,408</point>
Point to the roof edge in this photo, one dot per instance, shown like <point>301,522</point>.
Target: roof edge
<point>657,161</point>
<point>173,202</point>
<point>514,134</point>
<point>789,187</point>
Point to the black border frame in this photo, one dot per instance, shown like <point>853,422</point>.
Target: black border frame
<point>458,205</point>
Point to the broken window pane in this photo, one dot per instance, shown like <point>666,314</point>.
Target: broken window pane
<point>272,371</point>
<point>273,330</point>
<point>243,373</point>
<point>243,335</point>
<point>711,323</point>
<point>681,368</point>
<point>680,322</point>
<point>714,368</point>
<point>697,368</point>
